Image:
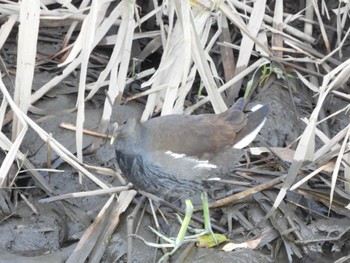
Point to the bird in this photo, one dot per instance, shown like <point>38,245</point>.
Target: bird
<point>170,156</point>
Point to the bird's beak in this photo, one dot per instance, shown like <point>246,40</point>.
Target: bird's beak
<point>113,138</point>
<point>115,133</point>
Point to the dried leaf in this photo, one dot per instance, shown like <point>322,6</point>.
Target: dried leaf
<point>252,244</point>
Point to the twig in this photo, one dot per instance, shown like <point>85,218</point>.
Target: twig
<point>72,127</point>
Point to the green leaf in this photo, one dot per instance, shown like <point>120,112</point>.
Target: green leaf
<point>208,240</point>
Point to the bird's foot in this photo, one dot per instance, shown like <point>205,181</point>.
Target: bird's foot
<point>205,237</point>
<point>175,243</point>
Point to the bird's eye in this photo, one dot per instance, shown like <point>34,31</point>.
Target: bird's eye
<point>125,122</point>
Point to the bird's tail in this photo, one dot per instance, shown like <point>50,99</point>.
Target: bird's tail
<point>255,121</point>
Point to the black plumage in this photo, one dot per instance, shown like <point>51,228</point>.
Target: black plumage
<point>170,156</point>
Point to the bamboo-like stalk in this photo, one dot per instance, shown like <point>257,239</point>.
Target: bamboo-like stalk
<point>186,45</point>
<point>26,52</point>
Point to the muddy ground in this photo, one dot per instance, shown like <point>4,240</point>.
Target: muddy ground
<point>32,231</point>
<point>49,235</point>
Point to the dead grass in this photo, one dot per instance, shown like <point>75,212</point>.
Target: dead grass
<point>186,32</point>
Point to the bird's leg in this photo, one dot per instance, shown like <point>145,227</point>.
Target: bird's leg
<point>206,215</point>
<point>181,236</point>
<point>182,233</point>
<point>207,224</point>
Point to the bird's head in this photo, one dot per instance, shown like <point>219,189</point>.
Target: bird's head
<point>124,131</point>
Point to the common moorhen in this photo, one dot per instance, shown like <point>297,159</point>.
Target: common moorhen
<point>169,156</point>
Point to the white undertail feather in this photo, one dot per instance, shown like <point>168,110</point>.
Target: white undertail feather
<point>251,136</point>
<point>256,107</point>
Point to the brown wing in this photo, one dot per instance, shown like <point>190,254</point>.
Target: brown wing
<point>201,135</point>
